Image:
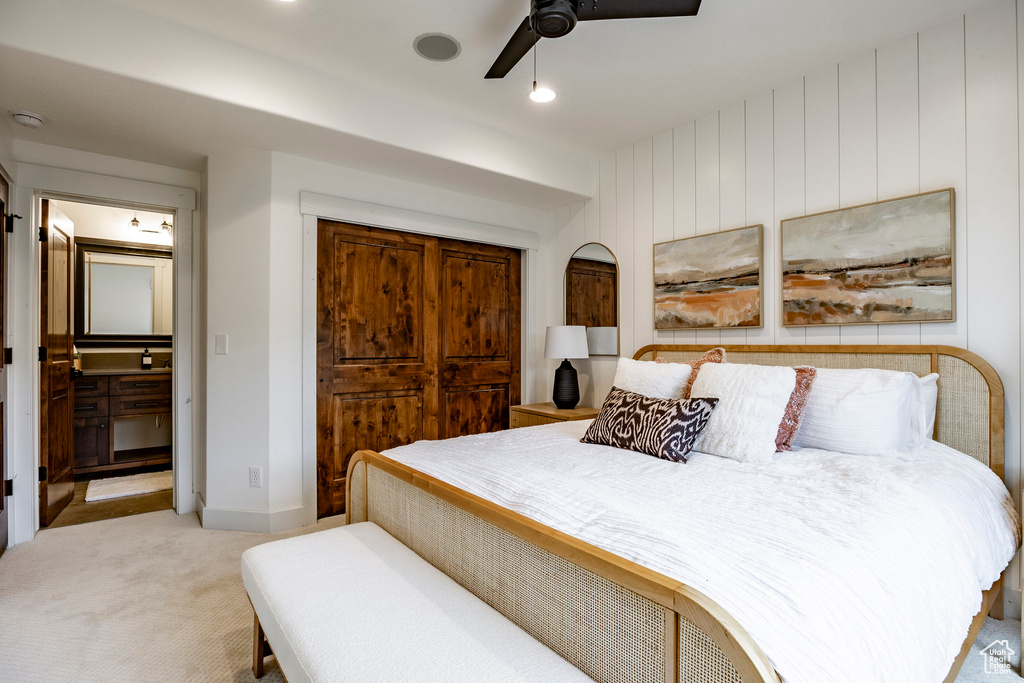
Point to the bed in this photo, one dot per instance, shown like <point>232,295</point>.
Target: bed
<point>621,616</point>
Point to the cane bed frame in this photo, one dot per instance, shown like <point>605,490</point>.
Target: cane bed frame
<point>617,621</point>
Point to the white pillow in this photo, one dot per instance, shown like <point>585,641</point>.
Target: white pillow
<point>928,396</point>
<point>863,412</point>
<point>654,380</point>
<point>752,402</point>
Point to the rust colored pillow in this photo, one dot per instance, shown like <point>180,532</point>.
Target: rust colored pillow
<point>795,408</point>
<point>715,355</point>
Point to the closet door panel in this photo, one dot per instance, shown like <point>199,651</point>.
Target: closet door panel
<point>417,338</point>
<point>479,304</point>
<point>376,347</point>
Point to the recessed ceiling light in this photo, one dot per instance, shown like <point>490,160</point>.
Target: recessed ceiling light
<point>437,47</point>
<point>27,119</point>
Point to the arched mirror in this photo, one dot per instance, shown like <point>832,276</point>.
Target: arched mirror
<point>592,296</point>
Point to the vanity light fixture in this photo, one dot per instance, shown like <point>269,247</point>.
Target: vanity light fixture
<point>539,94</point>
<point>165,226</point>
<point>135,222</point>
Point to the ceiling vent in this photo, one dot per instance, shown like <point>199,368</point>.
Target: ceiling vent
<point>437,47</point>
<point>27,119</point>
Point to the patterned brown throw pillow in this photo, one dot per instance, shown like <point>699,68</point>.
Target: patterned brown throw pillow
<point>795,408</point>
<point>665,428</point>
<point>715,355</point>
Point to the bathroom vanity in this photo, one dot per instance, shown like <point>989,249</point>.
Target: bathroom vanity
<point>102,398</point>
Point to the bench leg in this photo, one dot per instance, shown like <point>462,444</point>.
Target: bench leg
<point>260,647</point>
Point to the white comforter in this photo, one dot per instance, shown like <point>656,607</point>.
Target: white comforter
<point>841,567</point>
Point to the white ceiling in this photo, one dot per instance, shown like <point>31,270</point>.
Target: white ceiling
<point>337,80</point>
<point>114,223</point>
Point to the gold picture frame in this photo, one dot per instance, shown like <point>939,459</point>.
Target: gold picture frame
<point>885,262</point>
<point>713,281</point>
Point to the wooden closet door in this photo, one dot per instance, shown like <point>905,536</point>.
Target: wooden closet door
<point>480,337</point>
<point>376,347</point>
<point>590,293</point>
<point>417,338</point>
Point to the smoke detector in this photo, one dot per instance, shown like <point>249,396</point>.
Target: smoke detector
<point>437,47</point>
<point>27,119</point>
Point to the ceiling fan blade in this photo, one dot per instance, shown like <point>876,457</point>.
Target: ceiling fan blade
<point>592,10</point>
<point>516,48</point>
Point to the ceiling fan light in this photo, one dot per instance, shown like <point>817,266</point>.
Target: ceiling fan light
<point>541,94</point>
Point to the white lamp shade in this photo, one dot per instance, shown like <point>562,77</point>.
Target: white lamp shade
<point>566,341</point>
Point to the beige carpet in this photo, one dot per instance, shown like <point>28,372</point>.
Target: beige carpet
<point>132,485</point>
<point>154,597</point>
<point>151,597</point>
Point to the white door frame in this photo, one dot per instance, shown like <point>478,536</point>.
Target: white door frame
<point>36,182</point>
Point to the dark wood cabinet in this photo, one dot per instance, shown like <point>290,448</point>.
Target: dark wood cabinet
<point>92,442</point>
<point>99,401</point>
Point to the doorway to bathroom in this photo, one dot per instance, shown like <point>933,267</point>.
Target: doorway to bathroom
<point>106,375</point>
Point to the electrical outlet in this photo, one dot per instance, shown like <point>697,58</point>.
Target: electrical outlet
<point>256,477</point>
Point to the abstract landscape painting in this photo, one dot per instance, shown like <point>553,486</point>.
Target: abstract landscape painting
<point>890,262</point>
<point>709,281</point>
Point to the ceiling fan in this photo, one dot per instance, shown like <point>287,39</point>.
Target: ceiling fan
<point>555,18</point>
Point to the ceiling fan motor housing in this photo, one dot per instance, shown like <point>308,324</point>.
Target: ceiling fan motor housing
<point>553,18</point>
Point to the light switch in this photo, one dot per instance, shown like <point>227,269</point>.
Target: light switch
<point>222,344</point>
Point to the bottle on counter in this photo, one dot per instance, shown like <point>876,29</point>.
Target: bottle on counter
<point>147,360</point>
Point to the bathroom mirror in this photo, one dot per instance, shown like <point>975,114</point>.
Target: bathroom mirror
<point>592,296</point>
<point>123,293</point>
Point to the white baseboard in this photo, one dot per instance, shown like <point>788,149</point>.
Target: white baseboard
<point>250,520</point>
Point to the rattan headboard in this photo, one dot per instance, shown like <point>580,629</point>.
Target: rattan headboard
<point>969,416</point>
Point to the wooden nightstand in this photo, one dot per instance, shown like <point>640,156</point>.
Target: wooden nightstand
<point>546,413</point>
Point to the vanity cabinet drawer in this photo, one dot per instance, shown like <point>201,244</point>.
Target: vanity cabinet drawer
<point>124,385</point>
<point>91,386</point>
<point>86,406</point>
<point>140,405</point>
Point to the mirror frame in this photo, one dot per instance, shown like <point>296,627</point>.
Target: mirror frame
<point>112,247</point>
<point>618,306</point>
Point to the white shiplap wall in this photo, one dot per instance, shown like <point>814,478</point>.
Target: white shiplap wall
<point>936,109</point>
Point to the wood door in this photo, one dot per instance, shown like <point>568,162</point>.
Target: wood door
<point>56,448</point>
<point>590,293</point>
<point>417,338</point>
<point>376,347</point>
<point>4,198</point>
<point>479,326</point>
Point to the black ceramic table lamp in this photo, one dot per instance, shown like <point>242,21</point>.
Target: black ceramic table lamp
<point>565,342</point>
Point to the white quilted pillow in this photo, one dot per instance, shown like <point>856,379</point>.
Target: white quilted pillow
<point>654,380</point>
<point>752,402</point>
<point>863,412</point>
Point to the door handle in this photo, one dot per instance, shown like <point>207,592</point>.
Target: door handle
<point>145,384</point>
<point>92,407</point>
<point>147,404</point>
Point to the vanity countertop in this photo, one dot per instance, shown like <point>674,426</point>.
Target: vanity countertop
<point>126,371</point>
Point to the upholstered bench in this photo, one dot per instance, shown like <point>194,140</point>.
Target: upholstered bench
<point>354,604</point>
